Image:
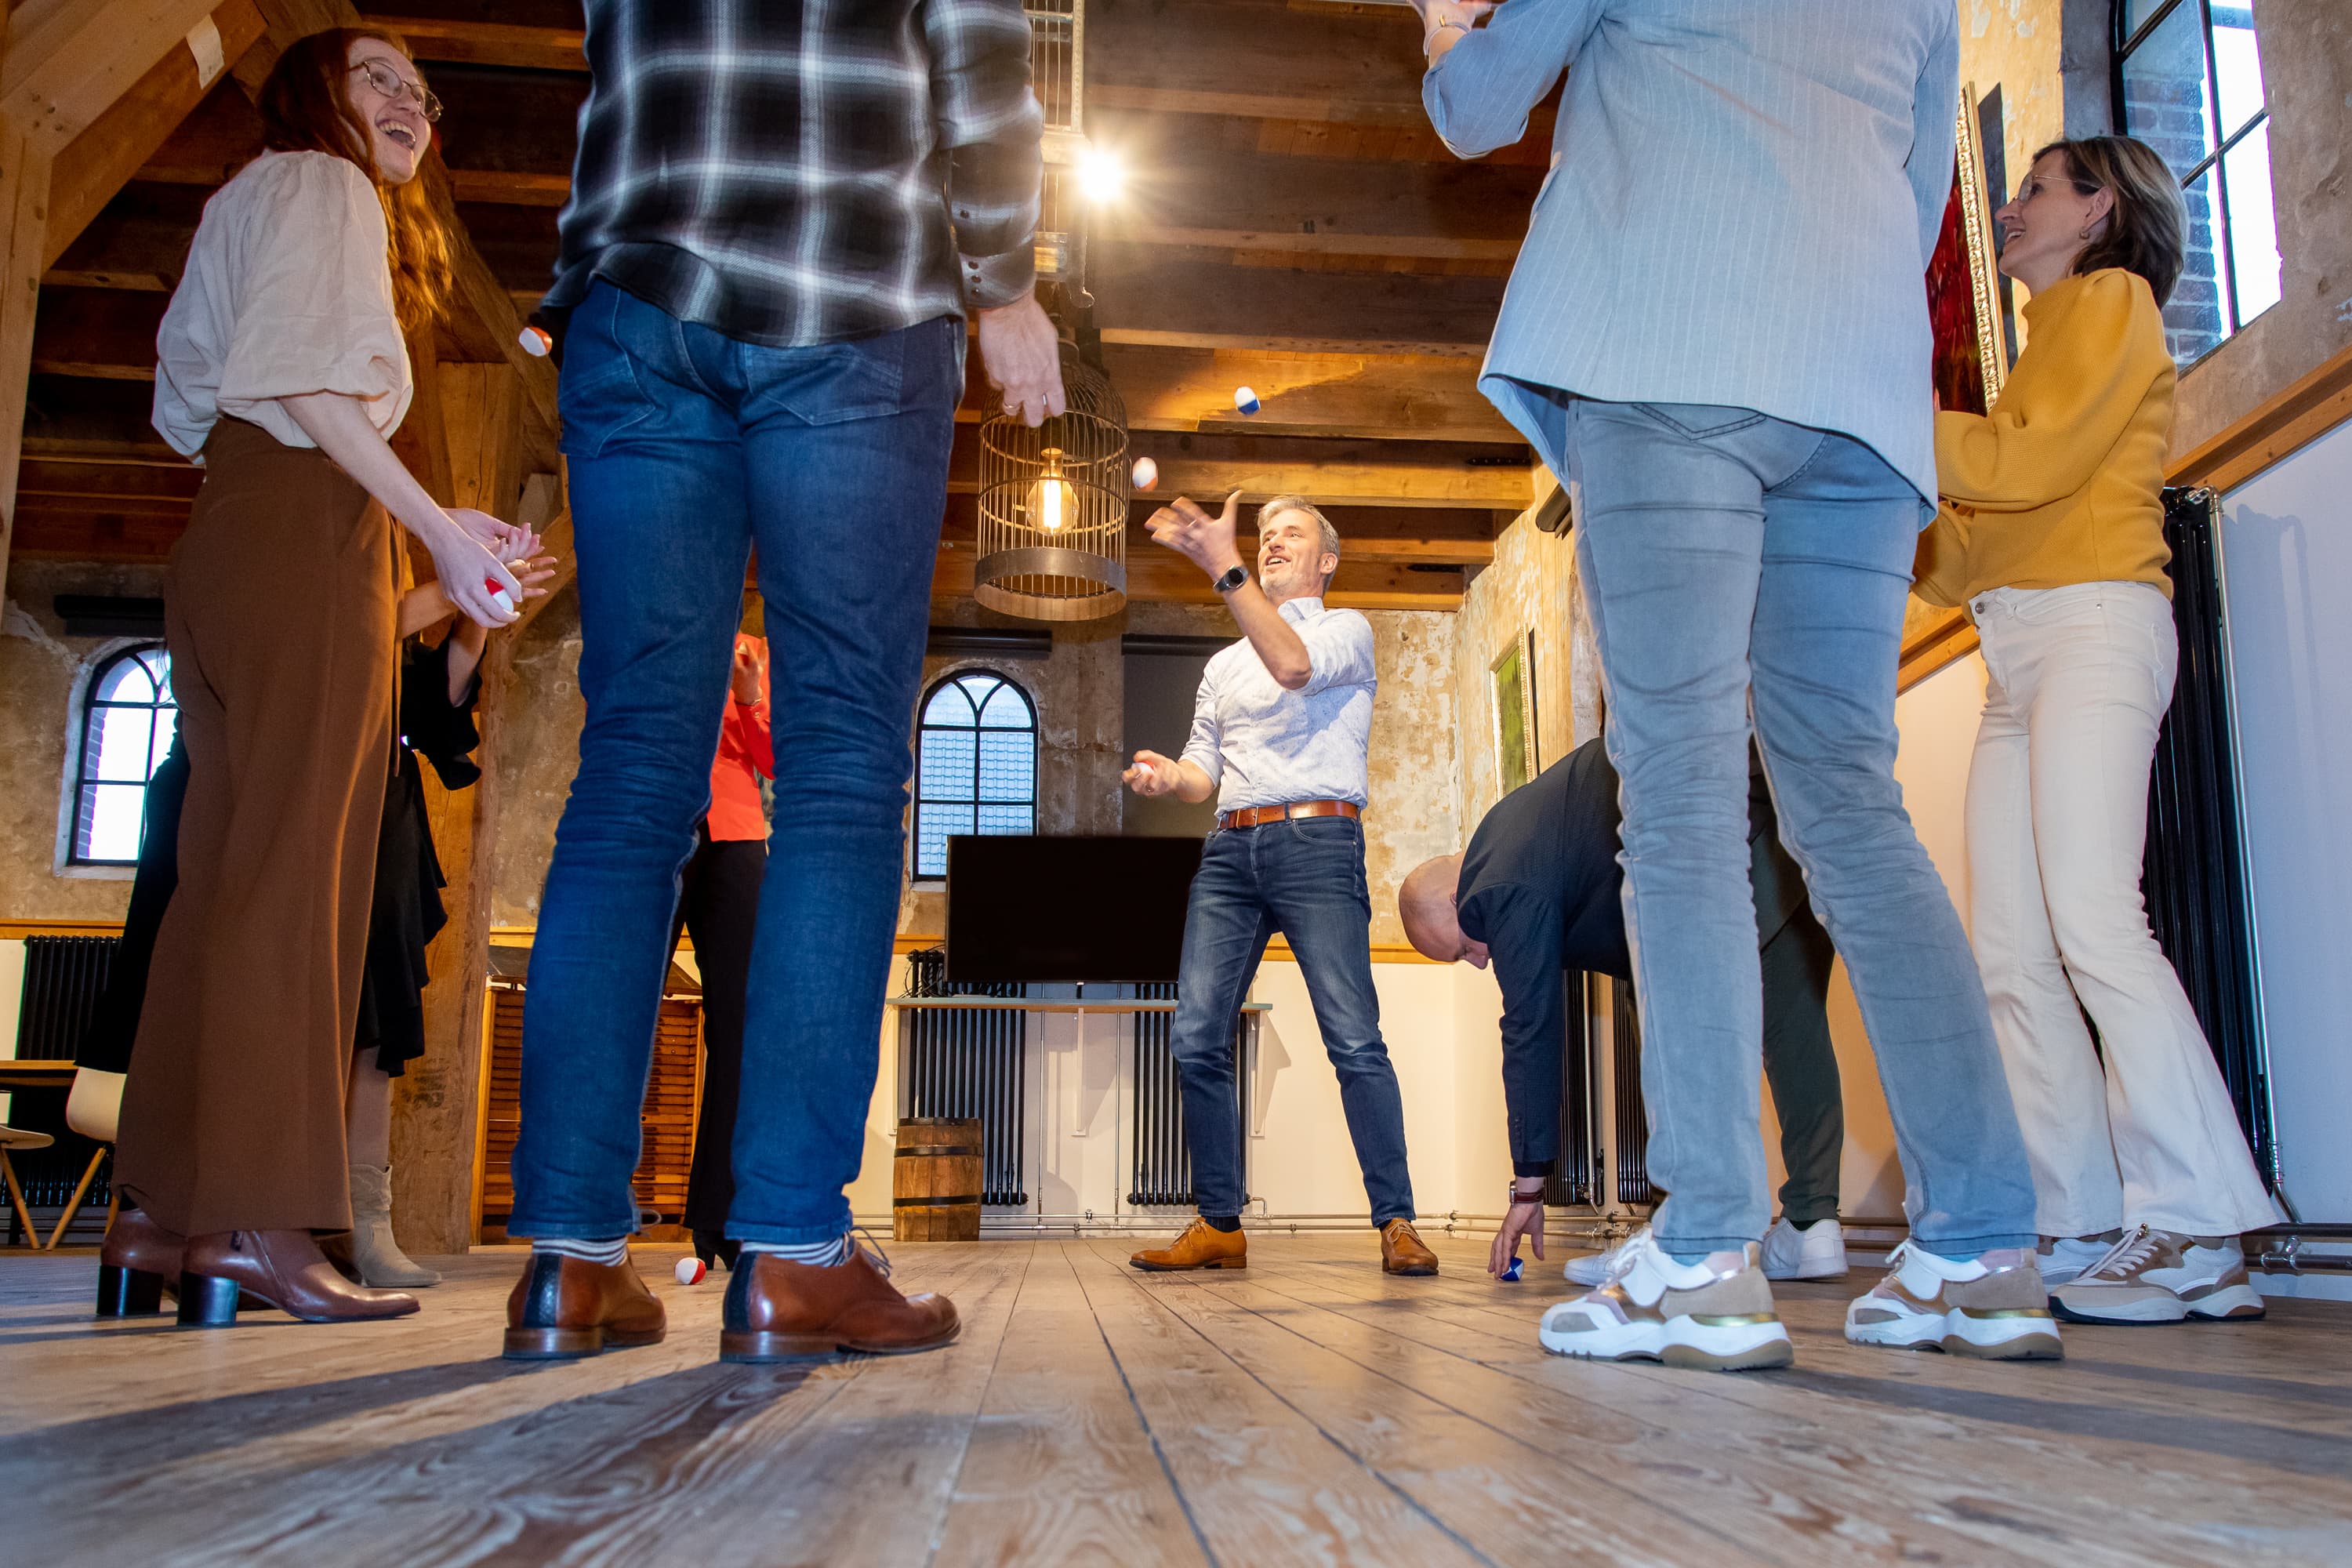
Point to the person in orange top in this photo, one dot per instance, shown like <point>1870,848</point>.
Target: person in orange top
<point>2052,534</point>
<point>719,902</point>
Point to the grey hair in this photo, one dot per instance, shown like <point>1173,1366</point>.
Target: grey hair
<point>1281,504</point>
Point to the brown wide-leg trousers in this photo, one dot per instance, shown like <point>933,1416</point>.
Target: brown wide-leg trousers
<point>280,617</point>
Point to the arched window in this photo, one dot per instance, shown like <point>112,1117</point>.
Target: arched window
<point>128,722</point>
<point>975,764</point>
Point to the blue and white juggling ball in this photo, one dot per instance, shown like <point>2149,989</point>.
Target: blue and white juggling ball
<point>1245,400</point>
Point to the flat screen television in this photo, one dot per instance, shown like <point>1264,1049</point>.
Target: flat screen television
<point>1028,907</point>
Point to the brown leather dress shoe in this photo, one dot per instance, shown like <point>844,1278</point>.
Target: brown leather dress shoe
<point>1401,1251</point>
<point>781,1310</point>
<point>138,1264</point>
<point>1202,1245</point>
<point>563,1308</point>
<point>282,1267</point>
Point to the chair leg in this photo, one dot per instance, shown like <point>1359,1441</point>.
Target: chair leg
<point>73,1204</point>
<point>17,1197</point>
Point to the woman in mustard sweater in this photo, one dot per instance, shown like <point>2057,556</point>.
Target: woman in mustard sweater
<point>2052,534</point>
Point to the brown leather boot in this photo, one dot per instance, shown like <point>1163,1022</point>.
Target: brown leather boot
<point>284,1269</point>
<point>138,1265</point>
<point>1202,1245</point>
<point>1401,1251</point>
<point>781,1310</point>
<point>563,1308</point>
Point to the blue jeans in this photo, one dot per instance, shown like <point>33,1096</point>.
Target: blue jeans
<point>686,448</point>
<point>1304,878</point>
<point>1723,552</point>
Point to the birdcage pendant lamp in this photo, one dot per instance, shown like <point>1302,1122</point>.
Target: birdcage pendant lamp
<point>1053,507</point>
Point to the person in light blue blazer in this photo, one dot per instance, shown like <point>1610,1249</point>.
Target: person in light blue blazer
<point>1716,333</point>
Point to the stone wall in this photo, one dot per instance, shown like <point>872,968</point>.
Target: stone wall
<point>40,669</point>
<point>1525,590</point>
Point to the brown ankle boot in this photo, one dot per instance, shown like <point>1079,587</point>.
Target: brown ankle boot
<point>284,1269</point>
<point>1202,1245</point>
<point>1401,1251</point>
<point>781,1310</point>
<point>138,1265</point>
<point>567,1306</point>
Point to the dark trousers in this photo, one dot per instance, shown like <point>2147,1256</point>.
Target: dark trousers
<point>1304,878</point>
<point>1800,1064</point>
<point>719,902</point>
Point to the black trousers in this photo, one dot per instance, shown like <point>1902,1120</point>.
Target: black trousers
<point>1800,1064</point>
<point>718,902</point>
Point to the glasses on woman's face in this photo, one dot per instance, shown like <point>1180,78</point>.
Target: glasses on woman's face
<point>388,81</point>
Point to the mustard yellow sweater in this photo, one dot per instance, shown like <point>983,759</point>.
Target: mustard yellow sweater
<point>2060,483</point>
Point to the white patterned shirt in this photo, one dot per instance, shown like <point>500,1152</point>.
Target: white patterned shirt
<point>1263,745</point>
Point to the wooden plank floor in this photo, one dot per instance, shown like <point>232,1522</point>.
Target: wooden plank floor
<point>1309,1410</point>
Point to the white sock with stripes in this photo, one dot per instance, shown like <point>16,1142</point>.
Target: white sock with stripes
<point>607,1252</point>
<point>822,1253</point>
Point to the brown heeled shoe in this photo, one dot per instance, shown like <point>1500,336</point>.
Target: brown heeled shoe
<point>138,1264</point>
<point>284,1269</point>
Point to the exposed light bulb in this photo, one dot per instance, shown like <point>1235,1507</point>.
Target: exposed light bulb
<point>1053,499</point>
<point>1101,175</point>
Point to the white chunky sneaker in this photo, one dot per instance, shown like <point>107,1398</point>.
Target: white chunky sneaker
<point>1992,1306</point>
<point>1714,1315</point>
<point>1594,1268</point>
<point>2061,1258</point>
<point>1816,1252</point>
<point>2162,1277</point>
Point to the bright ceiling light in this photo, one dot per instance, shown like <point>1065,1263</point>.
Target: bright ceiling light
<point>1101,175</point>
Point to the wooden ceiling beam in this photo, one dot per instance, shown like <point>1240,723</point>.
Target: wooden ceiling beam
<point>1386,397</point>
<point>461,42</point>
<point>1170,298</point>
<point>1367,473</point>
<point>1358,585</point>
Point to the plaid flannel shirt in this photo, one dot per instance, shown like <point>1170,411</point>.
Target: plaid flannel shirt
<point>796,172</point>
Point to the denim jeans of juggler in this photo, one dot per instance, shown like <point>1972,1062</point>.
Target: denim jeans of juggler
<point>1304,878</point>
<point>1729,556</point>
<point>686,448</point>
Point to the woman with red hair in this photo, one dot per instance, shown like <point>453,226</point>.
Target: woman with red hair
<point>282,369</point>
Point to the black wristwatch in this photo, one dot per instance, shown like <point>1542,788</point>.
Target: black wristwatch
<point>1234,578</point>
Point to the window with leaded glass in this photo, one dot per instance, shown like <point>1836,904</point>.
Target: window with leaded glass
<point>128,721</point>
<point>975,765</point>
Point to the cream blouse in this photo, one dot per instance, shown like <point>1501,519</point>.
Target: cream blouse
<point>286,291</point>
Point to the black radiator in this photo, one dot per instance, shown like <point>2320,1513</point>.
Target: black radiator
<point>64,978</point>
<point>1632,1113</point>
<point>1578,1174</point>
<point>968,1062</point>
<point>1163,1167</point>
<point>2195,872</point>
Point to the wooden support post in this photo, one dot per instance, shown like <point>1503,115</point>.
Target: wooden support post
<point>24,213</point>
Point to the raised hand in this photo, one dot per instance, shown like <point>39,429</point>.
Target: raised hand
<point>1206,542</point>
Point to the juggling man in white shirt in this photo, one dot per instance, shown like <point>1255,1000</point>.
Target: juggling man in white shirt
<point>1279,734</point>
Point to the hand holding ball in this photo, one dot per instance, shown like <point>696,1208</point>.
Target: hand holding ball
<point>1147,473</point>
<point>690,1271</point>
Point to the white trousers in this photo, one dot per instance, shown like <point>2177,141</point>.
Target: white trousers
<point>2057,825</point>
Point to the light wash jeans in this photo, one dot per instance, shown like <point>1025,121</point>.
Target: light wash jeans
<point>2081,678</point>
<point>685,447</point>
<point>1722,551</point>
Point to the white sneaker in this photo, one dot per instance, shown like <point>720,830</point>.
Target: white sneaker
<point>1594,1268</point>
<point>1816,1252</point>
<point>2062,1258</point>
<point>1711,1315</point>
<point>1992,1306</point>
<point>2162,1277</point>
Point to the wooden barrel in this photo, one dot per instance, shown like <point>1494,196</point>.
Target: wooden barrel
<point>935,1180</point>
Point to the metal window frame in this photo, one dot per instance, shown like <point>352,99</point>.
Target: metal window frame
<point>84,782</point>
<point>923,726</point>
<point>2225,140</point>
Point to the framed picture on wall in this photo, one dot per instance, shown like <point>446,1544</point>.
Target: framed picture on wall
<point>1511,684</point>
<point>1963,292</point>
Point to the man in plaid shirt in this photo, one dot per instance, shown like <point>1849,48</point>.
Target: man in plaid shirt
<point>780,214</point>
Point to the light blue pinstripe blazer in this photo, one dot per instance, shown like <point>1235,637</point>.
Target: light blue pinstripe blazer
<point>1742,200</point>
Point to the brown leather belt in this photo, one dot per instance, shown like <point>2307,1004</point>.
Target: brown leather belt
<point>1251,816</point>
